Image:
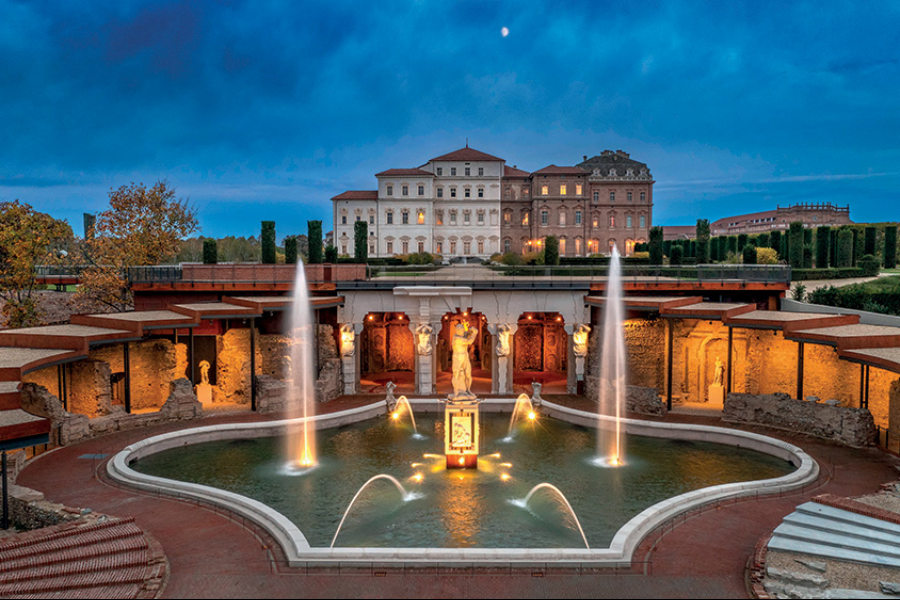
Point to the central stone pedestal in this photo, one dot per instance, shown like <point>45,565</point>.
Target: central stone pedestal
<point>461,434</point>
<point>717,396</point>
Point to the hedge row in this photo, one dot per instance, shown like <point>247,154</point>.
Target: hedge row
<point>857,297</point>
<point>832,273</point>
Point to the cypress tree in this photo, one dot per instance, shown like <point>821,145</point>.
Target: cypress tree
<point>551,250</point>
<point>723,247</point>
<point>676,256</point>
<point>808,256</point>
<point>267,239</point>
<point>775,242</point>
<point>871,234</point>
<point>749,254</point>
<point>890,247</point>
<point>857,245</point>
<point>732,244</point>
<point>210,251</point>
<point>762,240</point>
<point>667,247</point>
<point>823,246</point>
<point>361,241</point>
<point>742,240</point>
<point>702,253</point>
<point>845,248</point>
<point>795,245</point>
<point>714,249</point>
<point>331,254</point>
<point>290,250</point>
<point>314,235</point>
<point>656,245</point>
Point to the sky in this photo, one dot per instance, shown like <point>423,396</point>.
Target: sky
<point>265,110</point>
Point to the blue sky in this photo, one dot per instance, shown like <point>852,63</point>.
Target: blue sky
<point>266,109</point>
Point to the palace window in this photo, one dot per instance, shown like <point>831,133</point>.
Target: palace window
<point>468,193</point>
<point>612,197</point>
<point>612,221</point>
<point>467,248</point>
<point>468,171</point>
<point>545,218</point>
<point>358,218</point>
<point>390,190</point>
<point>578,217</point>
<point>440,192</point>
<point>371,219</point>
<point>440,171</point>
<point>507,217</point>
<point>481,171</point>
<point>643,221</point>
<point>405,217</point>
<point>577,189</point>
<point>643,196</point>
<point>452,247</point>
<point>480,214</point>
<point>562,245</point>
<point>562,190</point>
<point>389,217</point>
<point>452,171</point>
<point>467,218</point>
<point>562,219</point>
<point>628,196</point>
<point>389,246</point>
<point>405,246</point>
<point>525,218</point>
<point>439,247</point>
<point>480,247</point>
<point>343,219</point>
<point>420,217</point>
<point>405,190</point>
<point>453,217</point>
<point>628,221</point>
<point>507,246</point>
<point>545,189</point>
<point>439,217</point>
<point>596,197</point>
<point>453,192</point>
<point>481,192</point>
<point>421,190</point>
<point>421,247</point>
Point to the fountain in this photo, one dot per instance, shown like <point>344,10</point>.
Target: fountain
<point>610,432</point>
<point>301,439</point>
<point>404,496</point>
<point>562,500</point>
<point>523,409</point>
<point>403,404</point>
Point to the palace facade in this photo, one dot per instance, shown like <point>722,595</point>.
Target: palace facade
<point>469,203</point>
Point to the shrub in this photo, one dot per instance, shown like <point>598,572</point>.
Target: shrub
<point>511,259</point>
<point>331,254</point>
<point>845,248</point>
<point>656,245</point>
<point>361,241</point>
<point>742,240</point>
<point>641,255</point>
<point>420,258</point>
<point>676,255</point>
<point>795,244</point>
<point>703,249</point>
<point>762,241</point>
<point>775,242</point>
<point>766,256</point>
<point>869,246</point>
<point>870,265</point>
<point>551,250</point>
<point>890,246</point>
<point>799,292</point>
<point>823,246</point>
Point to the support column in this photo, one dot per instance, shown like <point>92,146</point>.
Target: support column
<point>502,352</point>
<point>191,369</point>
<point>127,367</point>
<point>730,355</point>
<point>496,376</point>
<point>424,362</point>
<point>350,349</point>
<point>253,363</point>
<point>670,343</point>
<point>800,347</point>
<point>867,387</point>
<point>862,385</point>
<point>571,377</point>
<point>62,386</point>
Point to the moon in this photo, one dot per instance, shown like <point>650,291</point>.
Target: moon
<point>504,32</point>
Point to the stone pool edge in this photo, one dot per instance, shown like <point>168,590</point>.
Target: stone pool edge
<point>298,553</point>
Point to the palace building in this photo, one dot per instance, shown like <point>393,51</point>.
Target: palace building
<point>469,203</point>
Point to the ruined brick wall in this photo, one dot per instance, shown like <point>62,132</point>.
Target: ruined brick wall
<point>47,378</point>
<point>89,391</point>
<point>233,365</point>
<point>645,340</point>
<point>154,365</point>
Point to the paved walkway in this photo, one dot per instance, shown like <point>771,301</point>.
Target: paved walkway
<point>814,284</point>
<point>699,556</point>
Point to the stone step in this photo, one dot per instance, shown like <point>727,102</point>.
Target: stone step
<point>29,538</point>
<point>842,528</point>
<point>815,549</point>
<point>117,577</point>
<point>54,546</point>
<point>837,540</point>
<point>846,516</point>
<point>30,570</point>
<point>78,553</point>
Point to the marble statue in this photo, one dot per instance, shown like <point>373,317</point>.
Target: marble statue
<point>461,368</point>
<point>720,373</point>
<point>348,337</point>
<point>504,332</point>
<point>204,372</point>
<point>423,338</point>
<point>580,340</point>
<point>389,399</point>
<point>536,399</point>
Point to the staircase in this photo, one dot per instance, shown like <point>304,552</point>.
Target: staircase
<point>108,558</point>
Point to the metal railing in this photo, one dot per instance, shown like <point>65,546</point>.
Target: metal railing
<point>353,276</point>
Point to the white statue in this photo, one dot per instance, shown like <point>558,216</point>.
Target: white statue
<point>580,340</point>
<point>461,367</point>
<point>204,372</point>
<point>720,373</point>
<point>503,333</point>
<point>389,399</point>
<point>348,337</point>
<point>423,337</point>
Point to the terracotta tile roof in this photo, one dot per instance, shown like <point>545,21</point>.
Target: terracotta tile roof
<point>358,195</point>
<point>404,173</point>
<point>554,170</point>
<point>514,172</point>
<point>467,154</point>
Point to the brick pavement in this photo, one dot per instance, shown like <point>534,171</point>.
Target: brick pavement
<point>210,556</point>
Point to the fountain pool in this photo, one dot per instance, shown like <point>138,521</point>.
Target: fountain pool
<point>462,509</point>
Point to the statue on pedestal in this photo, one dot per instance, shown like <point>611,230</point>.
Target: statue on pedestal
<point>720,373</point>
<point>348,337</point>
<point>580,340</point>
<point>423,339</point>
<point>504,331</point>
<point>461,368</point>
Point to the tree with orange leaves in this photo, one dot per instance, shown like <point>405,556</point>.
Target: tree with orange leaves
<point>27,238</point>
<point>141,227</point>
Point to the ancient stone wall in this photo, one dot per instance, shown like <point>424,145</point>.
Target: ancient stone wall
<point>645,340</point>
<point>644,400</point>
<point>28,509</point>
<point>851,426</point>
<point>66,428</point>
<point>89,389</point>
<point>233,365</point>
<point>154,365</point>
<point>271,395</point>
<point>47,377</point>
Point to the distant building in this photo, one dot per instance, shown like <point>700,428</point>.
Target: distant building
<point>811,215</point>
<point>468,203</point>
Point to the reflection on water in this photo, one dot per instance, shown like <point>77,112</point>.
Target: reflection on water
<point>461,509</point>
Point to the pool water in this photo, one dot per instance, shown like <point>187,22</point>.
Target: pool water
<point>462,509</point>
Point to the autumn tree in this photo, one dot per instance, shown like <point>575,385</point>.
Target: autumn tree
<point>143,226</point>
<point>27,238</point>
